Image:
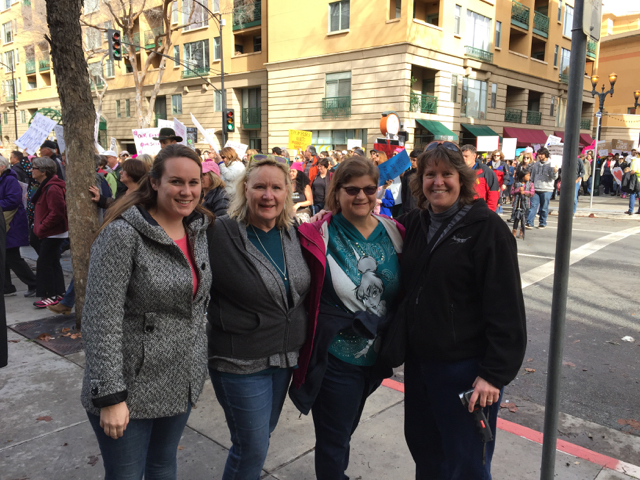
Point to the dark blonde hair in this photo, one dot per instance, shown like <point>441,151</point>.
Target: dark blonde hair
<point>216,182</point>
<point>451,159</point>
<point>353,167</point>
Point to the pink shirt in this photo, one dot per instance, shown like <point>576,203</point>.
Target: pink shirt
<point>184,246</point>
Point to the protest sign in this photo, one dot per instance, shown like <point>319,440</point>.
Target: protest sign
<point>162,123</point>
<point>487,144</point>
<point>112,144</point>
<point>552,140</point>
<point>555,154</point>
<point>240,148</point>
<point>394,167</point>
<point>299,139</point>
<point>509,146</point>
<point>143,138</point>
<point>622,145</point>
<point>37,133</point>
<point>207,138</point>
<point>212,135</point>
<point>192,137</point>
<point>59,131</point>
<point>181,130</point>
<point>617,175</point>
<point>354,143</point>
<point>603,152</point>
<point>100,149</point>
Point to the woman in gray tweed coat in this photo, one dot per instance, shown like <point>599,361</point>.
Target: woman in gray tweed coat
<point>143,322</point>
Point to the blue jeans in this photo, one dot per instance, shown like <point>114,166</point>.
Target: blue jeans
<point>575,205</point>
<point>252,406</point>
<point>632,201</point>
<point>540,199</point>
<point>148,447</point>
<point>69,299</point>
<point>440,432</point>
<point>336,414</point>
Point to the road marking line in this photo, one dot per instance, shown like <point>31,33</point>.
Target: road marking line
<point>534,256</point>
<point>538,274</point>
<point>561,445</point>
<point>583,230</point>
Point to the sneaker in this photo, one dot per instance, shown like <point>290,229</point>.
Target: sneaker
<point>10,294</point>
<point>30,293</point>
<point>528,226</point>
<point>542,226</point>
<point>59,308</point>
<point>629,212</point>
<point>45,302</point>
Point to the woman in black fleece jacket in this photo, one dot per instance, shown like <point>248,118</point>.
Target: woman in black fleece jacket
<point>465,317</point>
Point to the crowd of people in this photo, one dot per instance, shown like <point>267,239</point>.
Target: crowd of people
<point>278,275</point>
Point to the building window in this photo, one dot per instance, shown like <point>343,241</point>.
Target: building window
<point>118,112</point>
<point>91,6</point>
<point>216,5</point>
<point>176,56</point>
<point>555,57</point>
<point>338,85</point>
<point>339,16</point>
<point>176,104</point>
<point>395,9</point>
<point>553,106</point>
<point>94,42</point>
<point>8,60</point>
<point>568,21</point>
<point>32,85</point>
<point>23,116</point>
<point>559,10</point>
<point>498,40</point>
<point>127,108</point>
<point>196,55</point>
<point>454,88</point>
<point>564,61</point>
<point>474,98</point>
<point>217,101</point>
<point>6,4</point>
<point>494,94</point>
<point>194,15</point>
<point>5,118</point>
<point>95,72</point>
<point>217,48</point>
<point>175,13</point>
<point>105,34</point>
<point>478,28</point>
<point>456,20</point>
<point>7,32</point>
<point>257,43</point>
<point>110,68</point>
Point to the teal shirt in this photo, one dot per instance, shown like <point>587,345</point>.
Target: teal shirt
<point>271,248</point>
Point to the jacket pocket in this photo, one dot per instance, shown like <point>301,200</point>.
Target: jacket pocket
<point>226,317</point>
<point>165,348</point>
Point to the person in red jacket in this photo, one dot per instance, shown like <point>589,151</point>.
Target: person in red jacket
<point>487,186</point>
<point>311,162</point>
<point>51,227</point>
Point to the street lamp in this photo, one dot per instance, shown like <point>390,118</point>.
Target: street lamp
<point>636,95</point>
<point>14,89</point>
<point>601,96</point>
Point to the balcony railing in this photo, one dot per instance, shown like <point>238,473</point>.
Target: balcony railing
<point>195,71</point>
<point>336,107</point>
<point>478,54</point>
<point>150,37</point>
<point>11,97</point>
<point>585,124</point>
<point>423,103</point>
<point>44,65</point>
<point>251,117</point>
<point>519,15</point>
<point>592,48</point>
<point>97,85</point>
<point>30,66</point>
<point>513,115</point>
<point>541,24</point>
<point>564,78</point>
<point>26,3</point>
<point>534,118</point>
<point>247,16</point>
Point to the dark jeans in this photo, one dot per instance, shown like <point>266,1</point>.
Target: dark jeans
<point>440,432</point>
<point>607,182</point>
<point>69,299</point>
<point>336,414</point>
<point>49,276</point>
<point>252,406</point>
<point>22,270</point>
<point>148,447</point>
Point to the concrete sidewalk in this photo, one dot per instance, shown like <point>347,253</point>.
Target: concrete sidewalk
<point>45,435</point>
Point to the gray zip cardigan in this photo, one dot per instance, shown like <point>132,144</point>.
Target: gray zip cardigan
<point>143,330</point>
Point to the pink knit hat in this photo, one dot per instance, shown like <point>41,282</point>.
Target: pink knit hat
<point>210,166</point>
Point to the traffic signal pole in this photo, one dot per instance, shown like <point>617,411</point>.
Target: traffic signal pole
<point>224,92</point>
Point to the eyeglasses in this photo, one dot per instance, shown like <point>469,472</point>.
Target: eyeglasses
<point>258,157</point>
<point>353,191</point>
<point>222,156</point>
<point>448,145</point>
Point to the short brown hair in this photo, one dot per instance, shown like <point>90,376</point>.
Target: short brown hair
<point>499,153</point>
<point>452,159</point>
<point>136,169</point>
<point>353,167</point>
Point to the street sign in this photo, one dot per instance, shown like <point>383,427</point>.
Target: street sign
<point>599,114</point>
<point>592,18</point>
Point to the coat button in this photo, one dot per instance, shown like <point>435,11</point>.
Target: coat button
<point>203,266</point>
<point>94,391</point>
<point>149,328</point>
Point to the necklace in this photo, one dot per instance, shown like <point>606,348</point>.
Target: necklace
<point>283,273</point>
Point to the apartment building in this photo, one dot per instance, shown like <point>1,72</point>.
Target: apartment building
<point>450,69</point>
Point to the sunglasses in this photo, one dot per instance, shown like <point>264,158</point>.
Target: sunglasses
<point>222,156</point>
<point>260,157</point>
<point>353,191</point>
<point>448,145</point>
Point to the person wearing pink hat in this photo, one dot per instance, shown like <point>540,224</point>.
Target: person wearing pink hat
<point>215,196</point>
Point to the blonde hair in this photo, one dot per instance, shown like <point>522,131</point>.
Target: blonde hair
<point>147,159</point>
<point>216,182</point>
<point>239,209</point>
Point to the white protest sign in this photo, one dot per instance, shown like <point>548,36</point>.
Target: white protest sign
<point>37,133</point>
<point>488,144</point>
<point>240,148</point>
<point>162,123</point>
<point>112,144</point>
<point>555,154</point>
<point>509,148</point>
<point>617,175</point>
<point>143,137</point>
<point>180,129</point>
<point>212,134</point>
<point>603,152</point>
<point>553,140</point>
<point>207,138</point>
<point>353,143</point>
<point>59,131</point>
<point>100,149</point>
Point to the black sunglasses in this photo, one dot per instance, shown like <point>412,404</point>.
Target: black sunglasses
<point>448,145</point>
<point>353,191</point>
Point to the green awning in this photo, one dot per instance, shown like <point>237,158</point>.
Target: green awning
<point>479,130</point>
<point>440,132</point>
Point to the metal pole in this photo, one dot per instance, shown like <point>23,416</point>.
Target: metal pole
<point>224,93</point>
<point>15,92</point>
<point>563,241</point>
<point>595,154</point>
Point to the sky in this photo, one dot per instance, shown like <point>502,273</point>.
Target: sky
<point>620,7</point>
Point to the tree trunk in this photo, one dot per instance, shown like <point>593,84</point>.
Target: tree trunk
<point>78,117</point>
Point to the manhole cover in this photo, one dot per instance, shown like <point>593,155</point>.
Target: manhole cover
<point>60,328</point>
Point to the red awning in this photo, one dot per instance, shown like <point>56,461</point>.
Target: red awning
<point>585,138</point>
<point>526,136</point>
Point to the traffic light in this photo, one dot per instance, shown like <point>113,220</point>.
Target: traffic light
<point>115,46</point>
<point>230,117</point>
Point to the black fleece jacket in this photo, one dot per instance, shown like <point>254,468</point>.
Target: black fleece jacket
<point>468,302</point>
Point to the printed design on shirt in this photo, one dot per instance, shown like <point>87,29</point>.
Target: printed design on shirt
<point>458,240</point>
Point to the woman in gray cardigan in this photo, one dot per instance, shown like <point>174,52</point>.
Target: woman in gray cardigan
<point>257,321</point>
<point>144,319</point>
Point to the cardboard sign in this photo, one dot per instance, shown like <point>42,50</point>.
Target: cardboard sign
<point>162,123</point>
<point>59,132</point>
<point>112,144</point>
<point>181,130</point>
<point>143,138</point>
<point>617,175</point>
<point>487,144</point>
<point>240,148</point>
<point>555,154</point>
<point>353,143</point>
<point>37,133</point>
<point>603,152</point>
<point>207,137</point>
<point>394,167</point>
<point>509,146</point>
<point>622,145</point>
<point>299,139</point>
<point>552,140</point>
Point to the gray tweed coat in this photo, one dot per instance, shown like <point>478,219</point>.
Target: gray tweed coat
<point>143,331</point>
